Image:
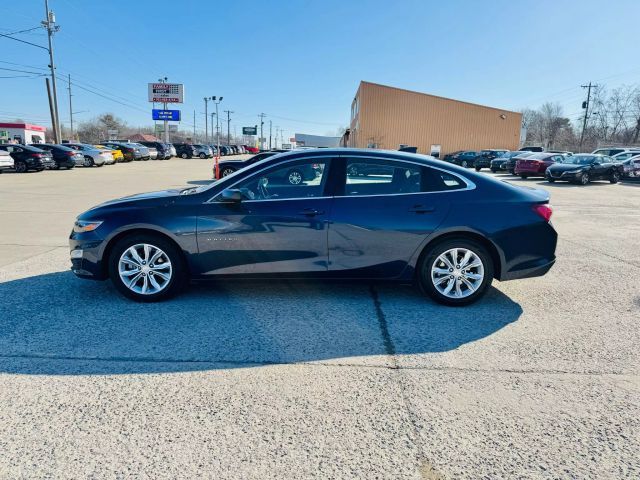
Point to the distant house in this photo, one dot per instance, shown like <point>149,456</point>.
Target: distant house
<point>143,137</point>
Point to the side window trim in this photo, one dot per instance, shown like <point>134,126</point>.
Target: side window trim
<point>327,159</point>
<point>470,185</point>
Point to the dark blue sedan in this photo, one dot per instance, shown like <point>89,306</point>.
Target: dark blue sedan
<point>403,217</point>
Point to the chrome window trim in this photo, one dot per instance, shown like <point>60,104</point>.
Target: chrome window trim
<point>470,185</point>
<point>329,157</point>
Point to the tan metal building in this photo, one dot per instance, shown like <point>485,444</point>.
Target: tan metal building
<point>388,117</point>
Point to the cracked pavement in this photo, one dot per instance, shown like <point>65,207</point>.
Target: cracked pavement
<point>315,380</point>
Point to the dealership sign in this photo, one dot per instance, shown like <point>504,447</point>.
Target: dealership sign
<point>166,92</point>
<point>172,115</point>
<point>249,130</point>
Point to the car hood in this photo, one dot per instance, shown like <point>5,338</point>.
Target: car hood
<point>139,197</point>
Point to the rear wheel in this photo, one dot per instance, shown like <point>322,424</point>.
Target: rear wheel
<point>551,180</point>
<point>464,164</point>
<point>88,162</point>
<point>21,167</point>
<point>615,177</point>
<point>494,170</point>
<point>456,272</point>
<point>227,171</point>
<point>184,155</point>
<point>477,169</point>
<point>203,155</point>
<point>523,176</point>
<point>147,268</point>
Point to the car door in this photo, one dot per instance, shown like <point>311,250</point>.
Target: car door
<point>277,228</point>
<point>601,169</point>
<point>378,220</point>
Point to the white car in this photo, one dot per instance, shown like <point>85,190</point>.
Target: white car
<point>6,161</point>
<point>92,155</point>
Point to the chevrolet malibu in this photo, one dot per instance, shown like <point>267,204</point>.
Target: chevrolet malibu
<point>415,219</point>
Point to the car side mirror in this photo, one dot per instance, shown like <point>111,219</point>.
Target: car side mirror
<point>231,195</point>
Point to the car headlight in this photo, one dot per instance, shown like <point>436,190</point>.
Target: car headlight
<point>81,226</point>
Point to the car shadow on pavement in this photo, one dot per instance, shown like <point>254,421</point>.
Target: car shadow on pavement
<point>57,324</point>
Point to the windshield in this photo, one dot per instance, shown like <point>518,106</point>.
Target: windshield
<point>580,160</point>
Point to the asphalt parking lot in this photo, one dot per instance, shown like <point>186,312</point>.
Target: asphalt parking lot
<point>297,380</point>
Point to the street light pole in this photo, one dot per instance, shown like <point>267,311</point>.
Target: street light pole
<point>228,112</point>
<point>51,27</point>
<point>217,102</point>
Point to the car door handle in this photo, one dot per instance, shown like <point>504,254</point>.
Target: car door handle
<point>310,212</point>
<point>422,209</point>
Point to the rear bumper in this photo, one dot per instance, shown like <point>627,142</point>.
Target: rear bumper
<point>537,269</point>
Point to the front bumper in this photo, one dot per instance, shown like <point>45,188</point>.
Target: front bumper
<point>566,176</point>
<point>86,256</point>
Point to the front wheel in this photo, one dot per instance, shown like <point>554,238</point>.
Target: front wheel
<point>147,268</point>
<point>456,272</point>
<point>551,180</point>
<point>523,176</point>
<point>202,155</point>
<point>615,177</point>
<point>88,162</point>
<point>184,155</point>
<point>584,178</point>
<point>464,164</point>
<point>477,169</point>
<point>494,170</point>
<point>294,177</point>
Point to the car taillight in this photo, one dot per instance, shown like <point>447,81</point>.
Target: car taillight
<point>545,211</point>
<point>37,155</point>
<point>71,154</point>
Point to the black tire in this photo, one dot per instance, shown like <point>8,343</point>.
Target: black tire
<point>494,170</point>
<point>615,177</point>
<point>512,172</point>
<point>179,274</point>
<point>203,155</point>
<point>584,179</point>
<point>20,166</point>
<point>431,256</point>
<point>88,162</point>
<point>226,171</point>
<point>551,180</point>
<point>184,155</point>
<point>464,164</point>
<point>295,177</point>
<point>478,169</point>
<point>523,176</point>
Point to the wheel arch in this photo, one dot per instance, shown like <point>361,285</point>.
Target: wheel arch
<point>494,251</point>
<point>138,231</point>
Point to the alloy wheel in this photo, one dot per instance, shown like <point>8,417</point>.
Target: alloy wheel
<point>295,177</point>
<point>21,167</point>
<point>227,171</point>
<point>145,269</point>
<point>584,178</point>
<point>457,273</point>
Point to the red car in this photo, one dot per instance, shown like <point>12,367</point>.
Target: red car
<point>536,165</point>
<point>251,149</point>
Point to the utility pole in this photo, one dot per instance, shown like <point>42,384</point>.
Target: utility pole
<point>206,119</point>
<point>585,105</point>
<point>70,108</point>
<point>50,24</point>
<point>261,116</point>
<point>270,133</point>
<point>194,127</point>
<point>212,135</point>
<point>228,112</point>
<point>275,138</point>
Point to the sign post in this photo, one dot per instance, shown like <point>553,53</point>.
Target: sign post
<point>163,92</point>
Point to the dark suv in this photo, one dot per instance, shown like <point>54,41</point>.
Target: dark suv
<point>27,158</point>
<point>164,150</point>
<point>484,159</point>
<point>185,150</point>
<point>64,157</point>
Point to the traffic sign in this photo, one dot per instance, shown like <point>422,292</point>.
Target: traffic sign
<point>171,115</point>
<point>249,130</point>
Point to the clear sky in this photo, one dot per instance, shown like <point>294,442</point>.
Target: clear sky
<point>300,62</point>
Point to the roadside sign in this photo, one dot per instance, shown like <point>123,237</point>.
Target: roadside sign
<point>286,146</point>
<point>166,92</point>
<point>4,134</point>
<point>113,133</point>
<point>249,130</point>
<point>171,115</point>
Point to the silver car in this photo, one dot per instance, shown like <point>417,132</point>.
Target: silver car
<point>92,155</point>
